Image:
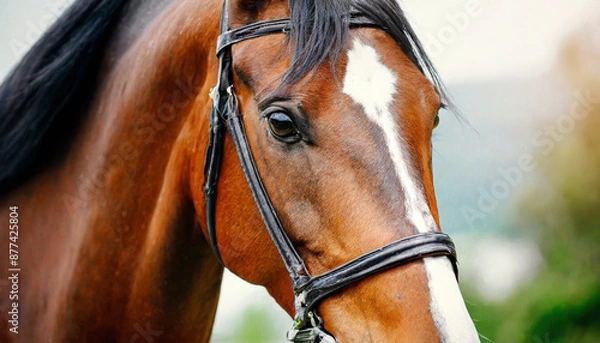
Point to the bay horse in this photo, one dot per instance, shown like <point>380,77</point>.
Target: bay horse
<point>136,163</point>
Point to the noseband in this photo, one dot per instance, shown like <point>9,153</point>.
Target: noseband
<point>309,291</point>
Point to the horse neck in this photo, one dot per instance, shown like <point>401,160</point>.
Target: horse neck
<point>128,232</point>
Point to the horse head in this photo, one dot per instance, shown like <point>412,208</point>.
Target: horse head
<point>337,114</point>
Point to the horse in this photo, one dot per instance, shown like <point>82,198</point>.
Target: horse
<point>137,163</point>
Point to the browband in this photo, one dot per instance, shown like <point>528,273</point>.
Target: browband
<point>268,27</point>
<point>254,30</point>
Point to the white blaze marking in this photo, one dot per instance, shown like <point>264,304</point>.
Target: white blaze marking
<point>447,306</point>
<point>373,85</point>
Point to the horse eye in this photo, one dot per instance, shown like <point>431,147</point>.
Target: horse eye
<point>283,128</point>
<point>436,121</point>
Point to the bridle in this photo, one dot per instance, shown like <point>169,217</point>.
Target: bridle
<point>309,291</point>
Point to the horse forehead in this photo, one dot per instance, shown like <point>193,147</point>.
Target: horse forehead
<point>378,73</point>
<point>367,80</point>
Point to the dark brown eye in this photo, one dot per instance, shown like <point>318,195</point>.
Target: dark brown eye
<point>436,121</point>
<point>282,127</point>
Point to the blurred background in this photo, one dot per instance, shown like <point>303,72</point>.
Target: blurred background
<point>517,173</point>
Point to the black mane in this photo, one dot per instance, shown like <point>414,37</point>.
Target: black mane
<point>41,98</point>
<point>319,29</point>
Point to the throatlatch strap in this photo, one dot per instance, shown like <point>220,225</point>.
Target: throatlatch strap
<point>212,166</point>
<point>216,140</point>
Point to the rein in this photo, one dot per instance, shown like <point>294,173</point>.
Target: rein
<point>309,291</point>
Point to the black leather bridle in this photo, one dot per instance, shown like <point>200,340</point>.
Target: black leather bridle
<point>309,291</point>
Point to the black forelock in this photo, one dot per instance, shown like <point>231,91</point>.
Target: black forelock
<point>318,33</point>
<point>319,29</point>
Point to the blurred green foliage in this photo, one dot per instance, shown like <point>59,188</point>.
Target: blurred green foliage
<point>256,326</point>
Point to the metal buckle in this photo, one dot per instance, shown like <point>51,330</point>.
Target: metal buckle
<point>314,332</point>
<point>230,91</point>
